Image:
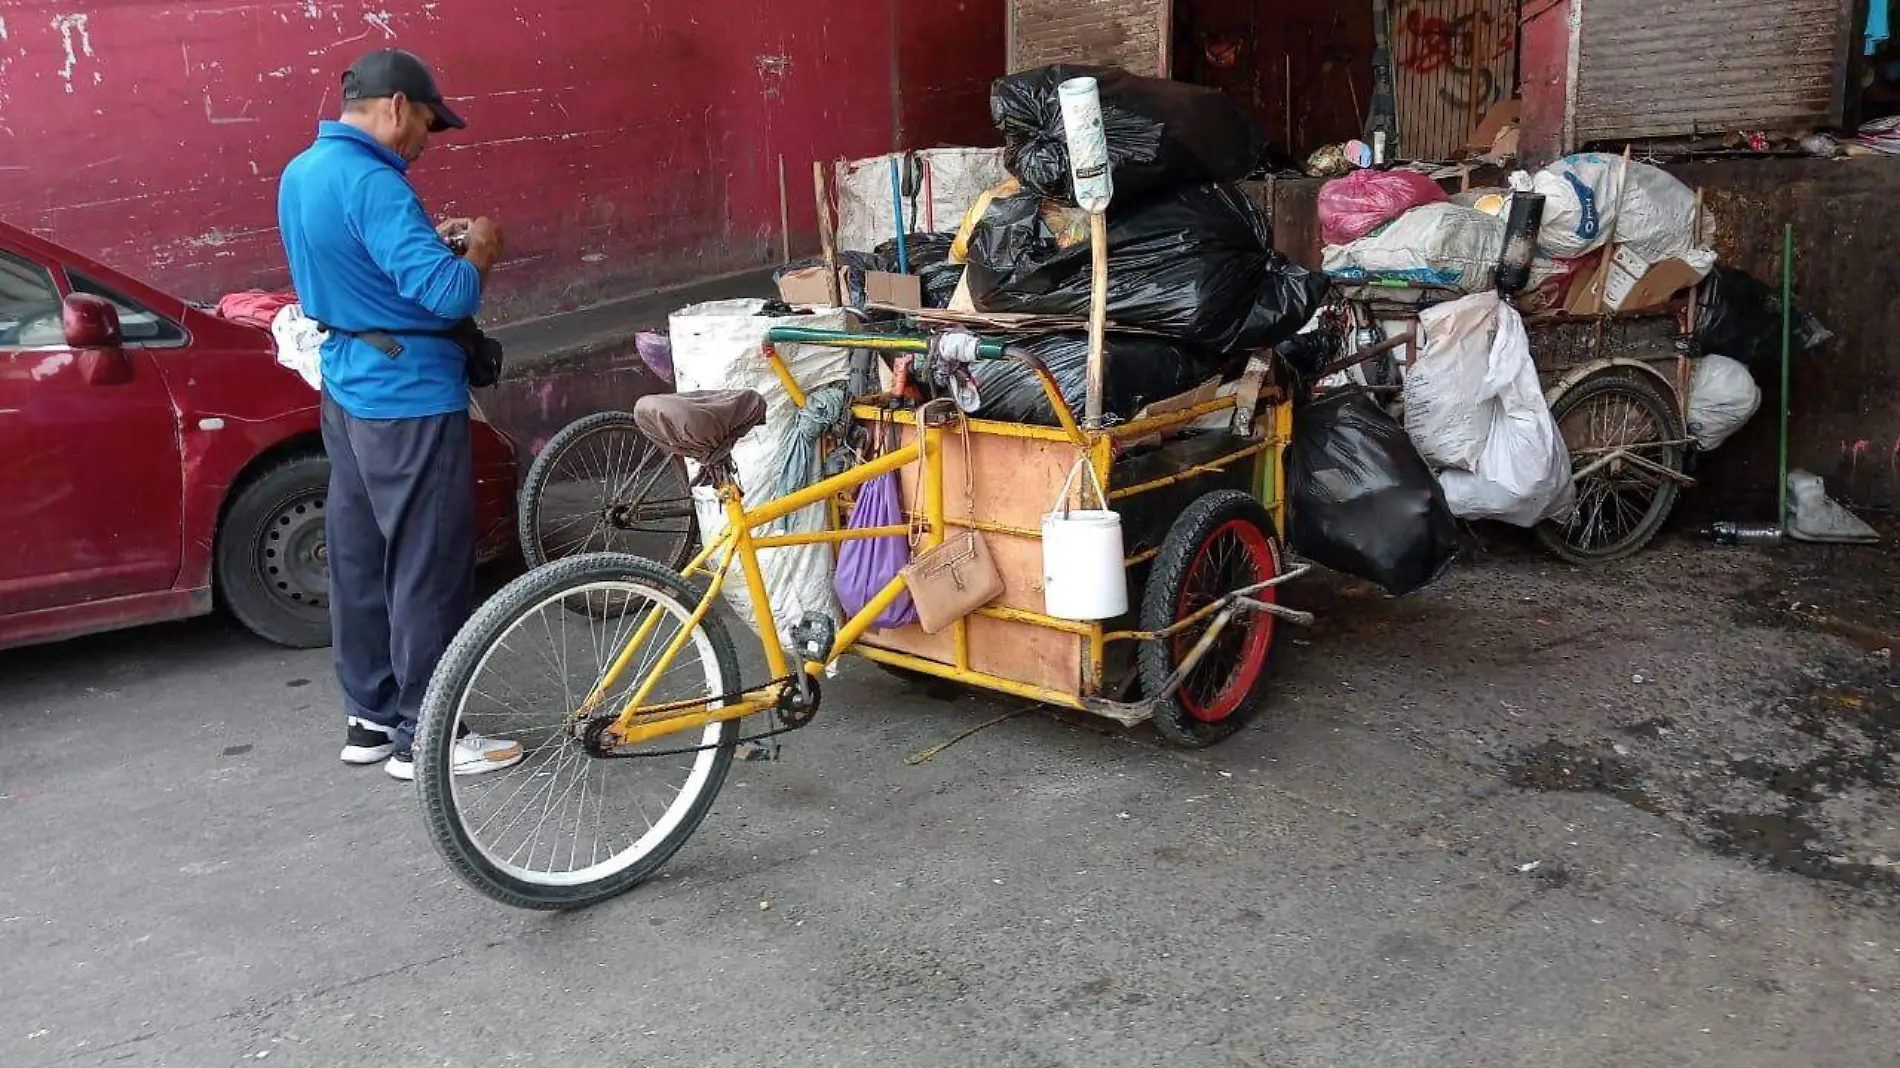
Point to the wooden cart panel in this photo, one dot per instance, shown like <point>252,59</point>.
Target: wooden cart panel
<point>1010,476</point>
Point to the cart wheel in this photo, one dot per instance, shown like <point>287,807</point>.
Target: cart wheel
<point>1621,506</point>
<point>600,486</point>
<point>1223,542</point>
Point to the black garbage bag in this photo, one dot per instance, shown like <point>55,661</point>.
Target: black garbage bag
<point>1307,353</point>
<point>940,283</point>
<point>1364,501</point>
<point>1196,263</point>
<point>1161,133</point>
<point>1739,316</point>
<point>924,250</point>
<point>1137,371</point>
<point>929,255</point>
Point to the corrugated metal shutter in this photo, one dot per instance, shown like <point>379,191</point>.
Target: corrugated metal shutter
<point>1131,34</point>
<point>1452,61</point>
<point>1666,69</point>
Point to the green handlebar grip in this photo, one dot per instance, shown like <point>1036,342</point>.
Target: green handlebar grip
<point>987,349</point>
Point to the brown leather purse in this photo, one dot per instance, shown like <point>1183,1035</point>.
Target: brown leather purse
<point>957,577</point>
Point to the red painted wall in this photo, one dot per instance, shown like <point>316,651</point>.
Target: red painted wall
<point>620,144</point>
<point>948,53</point>
<point>1545,78</point>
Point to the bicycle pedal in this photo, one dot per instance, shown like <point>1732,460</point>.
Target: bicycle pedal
<point>814,635</point>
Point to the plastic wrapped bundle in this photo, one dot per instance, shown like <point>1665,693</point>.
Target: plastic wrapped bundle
<point>1361,202</point>
<point>1195,263</point>
<point>1161,133</point>
<point>1138,371</point>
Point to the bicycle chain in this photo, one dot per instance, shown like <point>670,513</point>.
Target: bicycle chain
<point>600,723</point>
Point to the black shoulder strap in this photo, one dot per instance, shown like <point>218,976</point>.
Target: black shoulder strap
<point>382,340</point>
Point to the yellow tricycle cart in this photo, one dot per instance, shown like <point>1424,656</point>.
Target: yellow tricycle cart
<point>621,682</point>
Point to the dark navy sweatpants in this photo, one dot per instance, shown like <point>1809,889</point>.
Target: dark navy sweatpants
<point>400,526</point>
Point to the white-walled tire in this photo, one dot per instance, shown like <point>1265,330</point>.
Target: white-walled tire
<point>563,829</point>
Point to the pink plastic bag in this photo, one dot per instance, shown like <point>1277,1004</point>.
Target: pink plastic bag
<point>866,565</point>
<point>1361,202</point>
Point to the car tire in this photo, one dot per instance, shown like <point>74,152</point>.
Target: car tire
<point>272,565</point>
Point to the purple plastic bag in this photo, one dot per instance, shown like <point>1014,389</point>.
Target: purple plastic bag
<point>656,351</point>
<point>866,565</point>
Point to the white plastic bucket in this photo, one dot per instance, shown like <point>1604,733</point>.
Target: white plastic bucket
<point>1082,574</point>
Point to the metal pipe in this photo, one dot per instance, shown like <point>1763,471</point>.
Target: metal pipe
<point>829,537</point>
<point>968,678</point>
<point>1367,353</point>
<point>1211,467</point>
<point>1787,348</point>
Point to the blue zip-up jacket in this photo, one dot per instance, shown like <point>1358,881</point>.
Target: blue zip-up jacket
<point>363,256</point>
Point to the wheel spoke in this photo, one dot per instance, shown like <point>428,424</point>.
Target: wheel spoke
<point>561,817</point>
<point>1619,504</point>
<point>611,490</point>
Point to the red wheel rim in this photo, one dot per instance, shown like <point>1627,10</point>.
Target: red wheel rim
<point>1234,555</point>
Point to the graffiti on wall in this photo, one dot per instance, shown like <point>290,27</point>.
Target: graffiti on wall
<point>1452,61</point>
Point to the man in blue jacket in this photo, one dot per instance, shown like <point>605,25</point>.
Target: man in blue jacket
<point>400,516</point>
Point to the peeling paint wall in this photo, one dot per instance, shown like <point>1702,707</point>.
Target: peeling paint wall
<point>620,144</point>
<point>1844,421</point>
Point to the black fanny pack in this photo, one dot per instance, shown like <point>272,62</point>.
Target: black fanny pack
<point>482,353</point>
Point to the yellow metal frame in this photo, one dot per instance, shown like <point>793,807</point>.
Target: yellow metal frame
<point>737,544</point>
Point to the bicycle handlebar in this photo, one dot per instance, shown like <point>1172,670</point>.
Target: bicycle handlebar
<point>986,349</point>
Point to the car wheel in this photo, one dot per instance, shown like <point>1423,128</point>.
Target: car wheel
<point>273,568</point>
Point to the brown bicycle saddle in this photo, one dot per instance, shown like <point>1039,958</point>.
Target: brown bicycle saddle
<point>702,426</point>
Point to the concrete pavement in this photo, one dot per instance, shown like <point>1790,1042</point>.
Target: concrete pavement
<point>1536,815</point>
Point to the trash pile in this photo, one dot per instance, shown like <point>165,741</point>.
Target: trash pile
<point>1591,234</point>
<point>1611,235</point>
<point>1191,264</point>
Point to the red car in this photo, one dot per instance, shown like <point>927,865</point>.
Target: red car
<point>156,460</point>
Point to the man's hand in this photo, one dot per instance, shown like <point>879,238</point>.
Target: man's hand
<point>484,244</point>
<point>448,228</point>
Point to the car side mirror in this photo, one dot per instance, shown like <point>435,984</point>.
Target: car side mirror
<point>93,330</point>
<point>91,323</point>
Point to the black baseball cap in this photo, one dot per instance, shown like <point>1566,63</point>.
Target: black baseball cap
<point>389,71</point>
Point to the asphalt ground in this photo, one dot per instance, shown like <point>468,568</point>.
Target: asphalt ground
<point>1641,815</point>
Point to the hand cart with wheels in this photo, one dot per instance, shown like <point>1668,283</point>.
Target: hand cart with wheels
<point>1617,386</point>
<point>626,691</point>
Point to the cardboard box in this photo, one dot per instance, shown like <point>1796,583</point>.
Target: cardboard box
<point>1628,283</point>
<point>897,290</point>
<point>806,287</point>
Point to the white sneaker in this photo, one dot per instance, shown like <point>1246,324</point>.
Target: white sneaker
<point>474,755</point>
<point>367,743</point>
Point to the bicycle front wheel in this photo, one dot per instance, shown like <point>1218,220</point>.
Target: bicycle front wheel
<point>566,827</point>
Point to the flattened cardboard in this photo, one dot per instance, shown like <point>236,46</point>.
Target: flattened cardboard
<point>1484,136</point>
<point>806,287</point>
<point>1201,394</point>
<point>1661,282</point>
<point>894,290</point>
<point>1627,283</point>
